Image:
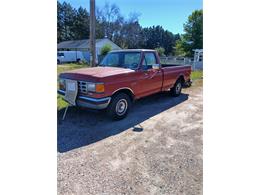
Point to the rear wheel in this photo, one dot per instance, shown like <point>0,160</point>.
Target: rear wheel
<point>176,90</point>
<point>119,106</point>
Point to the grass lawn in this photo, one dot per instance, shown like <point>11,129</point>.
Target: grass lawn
<point>65,67</point>
<point>198,74</point>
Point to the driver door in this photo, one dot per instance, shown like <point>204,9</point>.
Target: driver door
<point>150,79</point>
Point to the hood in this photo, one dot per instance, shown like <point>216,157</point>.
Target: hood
<point>94,73</point>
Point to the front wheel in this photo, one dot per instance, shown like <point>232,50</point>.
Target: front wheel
<point>176,90</point>
<point>119,106</point>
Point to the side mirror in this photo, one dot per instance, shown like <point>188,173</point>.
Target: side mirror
<point>156,66</point>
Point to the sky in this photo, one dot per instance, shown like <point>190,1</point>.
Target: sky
<point>170,14</point>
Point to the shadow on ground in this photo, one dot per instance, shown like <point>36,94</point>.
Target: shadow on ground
<point>84,127</point>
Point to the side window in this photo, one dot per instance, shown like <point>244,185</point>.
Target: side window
<point>149,60</point>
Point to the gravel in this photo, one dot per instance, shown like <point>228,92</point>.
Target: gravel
<point>157,149</point>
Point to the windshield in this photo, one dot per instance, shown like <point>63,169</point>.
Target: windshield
<point>122,59</point>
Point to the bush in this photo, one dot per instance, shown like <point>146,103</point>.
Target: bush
<point>105,49</point>
<point>160,51</point>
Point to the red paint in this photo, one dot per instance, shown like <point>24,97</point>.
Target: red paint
<point>142,83</point>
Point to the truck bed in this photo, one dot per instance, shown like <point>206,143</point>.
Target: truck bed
<point>171,72</point>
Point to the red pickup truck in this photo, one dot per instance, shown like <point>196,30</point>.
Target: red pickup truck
<point>122,77</point>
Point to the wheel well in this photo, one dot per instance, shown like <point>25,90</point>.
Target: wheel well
<point>126,91</point>
<point>181,78</point>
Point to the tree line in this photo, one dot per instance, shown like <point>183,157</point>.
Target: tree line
<point>73,24</point>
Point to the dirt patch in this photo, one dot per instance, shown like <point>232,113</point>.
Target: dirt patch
<point>157,149</point>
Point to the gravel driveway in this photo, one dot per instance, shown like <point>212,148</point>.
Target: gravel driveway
<point>157,149</point>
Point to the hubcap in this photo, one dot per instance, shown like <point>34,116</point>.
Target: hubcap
<point>121,107</point>
<point>178,88</point>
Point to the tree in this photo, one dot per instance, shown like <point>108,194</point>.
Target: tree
<point>130,35</point>
<point>160,51</point>
<point>59,22</point>
<point>180,48</point>
<point>73,24</point>
<point>81,24</point>
<point>156,36</point>
<point>124,32</point>
<point>110,18</point>
<point>193,36</point>
<point>105,49</point>
<point>65,21</point>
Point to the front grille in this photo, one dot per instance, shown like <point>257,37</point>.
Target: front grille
<point>82,87</point>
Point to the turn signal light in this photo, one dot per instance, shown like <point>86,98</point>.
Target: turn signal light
<point>100,88</point>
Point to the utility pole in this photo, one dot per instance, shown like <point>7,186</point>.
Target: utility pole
<point>92,34</point>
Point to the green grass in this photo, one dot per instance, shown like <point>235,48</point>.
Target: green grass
<point>66,67</point>
<point>61,103</point>
<point>63,68</point>
<point>196,74</point>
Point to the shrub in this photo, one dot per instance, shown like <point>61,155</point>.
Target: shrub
<point>105,49</point>
<point>160,51</point>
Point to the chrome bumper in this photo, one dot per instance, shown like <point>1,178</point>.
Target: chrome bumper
<point>88,102</point>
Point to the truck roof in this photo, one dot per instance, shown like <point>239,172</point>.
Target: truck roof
<point>132,50</point>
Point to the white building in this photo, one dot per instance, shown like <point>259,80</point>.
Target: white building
<point>84,46</point>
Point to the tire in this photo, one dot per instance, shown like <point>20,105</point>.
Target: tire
<point>58,61</point>
<point>176,90</point>
<point>119,106</point>
<point>78,61</point>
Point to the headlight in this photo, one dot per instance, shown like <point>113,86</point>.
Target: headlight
<point>96,87</point>
<point>91,87</point>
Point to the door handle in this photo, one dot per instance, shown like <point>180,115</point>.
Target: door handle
<point>149,76</point>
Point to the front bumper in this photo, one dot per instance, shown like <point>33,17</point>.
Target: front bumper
<point>88,102</point>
